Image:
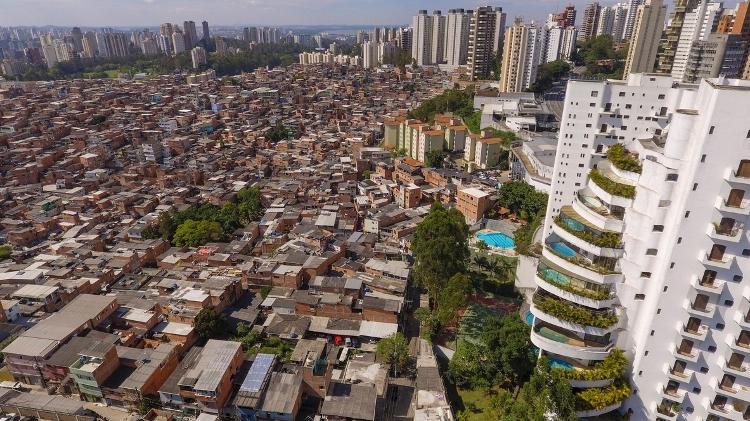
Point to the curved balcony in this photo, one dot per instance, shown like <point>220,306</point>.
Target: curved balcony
<point>576,230</point>
<point>569,259</point>
<point>597,212</point>
<point>589,413</point>
<point>556,281</point>
<point>558,341</point>
<point>574,317</point>
<point>607,186</point>
<point>623,163</point>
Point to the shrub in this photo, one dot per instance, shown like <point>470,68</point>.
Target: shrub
<point>575,314</point>
<point>612,187</point>
<point>586,293</point>
<point>611,367</point>
<point>622,159</point>
<point>602,397</point>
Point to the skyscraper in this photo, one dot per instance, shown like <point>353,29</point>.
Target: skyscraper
<point>438,38</point>
<point>644,43</point>
<point>421,46</point>
<point>178,42</point>
<point>485,40</point>
<point>369,54</point>
<point>671,37</point>
<point>697,25</point>
<point>206,34</point>
<point>190,34</point>
<point>458,26</point>
<point>632,11</point>
<point>560,43</point>
<point>714,55</point>
<point>566,18</point>
<point>644,242</point>
<point>590,22</point>
<point>513,68</point>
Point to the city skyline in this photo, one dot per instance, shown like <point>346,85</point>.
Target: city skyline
<point>101,13</point>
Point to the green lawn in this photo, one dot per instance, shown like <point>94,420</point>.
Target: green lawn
<point>476,403</point>
<point>470,326</point>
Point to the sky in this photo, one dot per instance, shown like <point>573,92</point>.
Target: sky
<point>254,12</point>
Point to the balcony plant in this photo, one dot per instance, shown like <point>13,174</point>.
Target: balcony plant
<point>612,187</point>
<point>605,239</point>
<point>602,397</point>
<point>611,367</point>
<point>668,408</point>
<point>585,293</point>
<point>622,159</point>
<point>567,311</point>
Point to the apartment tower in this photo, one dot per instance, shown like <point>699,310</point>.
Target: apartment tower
<point>644,42</point>
<point>458,26</point>
<point>590,22</point>
<point>421,45</point>
<point>645,247</point>
<point>485,40</point>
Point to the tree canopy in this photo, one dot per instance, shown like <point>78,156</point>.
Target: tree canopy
<point>548,74</point>
<point>5,251</point>
<point>458,101</point>
<point>197,233</point>
<point>600,57</point>
<point>209,324</point>
<point>434,159</point>
<point>522,198</point>
<point>394,350</point>
<point>441,248</point>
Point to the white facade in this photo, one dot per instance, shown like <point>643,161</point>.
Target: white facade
<point>676,268</point>
<point>439,39</point>
<point>421,45</point>
<point>561,42</point>
<point>458,24</point>
<point>696,26</point>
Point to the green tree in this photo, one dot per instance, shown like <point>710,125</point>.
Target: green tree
<point>453,297</point>
<point>147,403</point>
<point>394,350</point>
<point>209,324</point>
<point>366,174</point>
<point>469,368</point>
<point>5,251</point>
<point>545,396</point>
<point>440,247</point>
<point>548,74</point>
<point>520,196</point>
<point>434,159</point>
<point>277,132</point>
<point>197,233</point>
<point>509,348</point>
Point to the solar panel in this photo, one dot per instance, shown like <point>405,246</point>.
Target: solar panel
<point>258,372</point>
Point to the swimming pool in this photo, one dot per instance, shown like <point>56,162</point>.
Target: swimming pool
<point>529,318</point>
<point>563,249</point>
<point>496,239</point>
<point>561,364</point>
<point>555,276</point>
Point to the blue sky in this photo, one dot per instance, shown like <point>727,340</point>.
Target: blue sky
<point>257,12</point>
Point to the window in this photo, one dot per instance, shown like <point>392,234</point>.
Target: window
<point>747,136</point>
<point>658,310</point>
<point>719,326</point>
<point>665,288</point>
<point>658,228</point>
<point>671,265</point>
<point>704,369</point>
<point>622,94</point>
<point>640,297</point>
<point>695,186</point>
<point>703,158</point>
<point>645,274</point>
<point>661,96</point>
<point>737,278</point>
<point>746,252</point>
<point>728,303</point>
<point>651,252</point>
<point>687,214</point>
<point>672,177</point>
<point>645,354</point>
<point>711,130</point>
<point>679,239</point>
<point>711,348</point>
<point>652,332</point>
<point>594,94</point>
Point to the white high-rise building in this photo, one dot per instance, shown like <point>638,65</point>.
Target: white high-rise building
<point>370,54</point>
<point>458,25</point>
<point>561,43</point>
<point>632,9</point>
<point>535,51</point>
<point>178,42</point>
<point>618,26</point>
<point>50,55</point>
<point>421,45</point>
<point>697,26</point>
<point>199,57</point>
<point>645,247</point>
<point>439,38</point>
<point>606,23</point>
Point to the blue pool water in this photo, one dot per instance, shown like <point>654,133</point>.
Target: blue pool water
<point>529,318</point>
<point>563,249</point>
<point>561,364</point>
<point>556,276</point>
<point>574,225</point>
<point>496,239</point>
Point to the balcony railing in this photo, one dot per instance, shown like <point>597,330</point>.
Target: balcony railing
<point>565,283</point>
<point>598,238</point>
<point>580,260</point>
